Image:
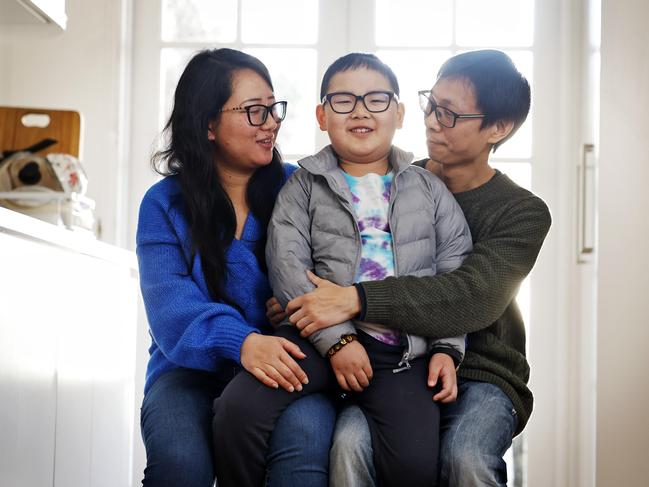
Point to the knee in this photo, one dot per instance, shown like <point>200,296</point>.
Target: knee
<point>459,455</point>
<point>416,468</point>
<point>178,466</point>
<point>463,461</point>
<point>348,445</point>
<point>311,419</point>
<point>351,438</point>
<point>232,416</point>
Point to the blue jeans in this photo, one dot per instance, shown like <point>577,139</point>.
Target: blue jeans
<point>176,424</point>
<point>476,431</point>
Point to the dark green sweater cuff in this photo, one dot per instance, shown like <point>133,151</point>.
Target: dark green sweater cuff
<point>377,302</point>
<point>361,298</point>
<point>450,351</point>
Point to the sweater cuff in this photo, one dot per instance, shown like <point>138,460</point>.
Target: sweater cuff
<point>450,351</point>
<point>232,339</point>
<point>378,302</point>
<point>363,301</point>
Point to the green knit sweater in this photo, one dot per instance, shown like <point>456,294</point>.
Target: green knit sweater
<point>508,225</point>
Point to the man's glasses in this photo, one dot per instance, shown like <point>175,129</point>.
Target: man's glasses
<point>445,117</point>
<point>344,102</point>
<point>258,114</point>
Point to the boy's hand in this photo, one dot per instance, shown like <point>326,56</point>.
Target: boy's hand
<point>327,305</point>
<point>352,367</point>
<point>441,366</point>
<point>274,312</point>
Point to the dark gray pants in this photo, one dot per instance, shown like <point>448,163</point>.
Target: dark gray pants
<point>403,419</point>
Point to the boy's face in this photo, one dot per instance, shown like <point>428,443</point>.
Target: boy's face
<point>360,136</point>
<point>466,143</point>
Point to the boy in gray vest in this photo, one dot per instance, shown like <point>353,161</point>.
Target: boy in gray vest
<point>358,210</point>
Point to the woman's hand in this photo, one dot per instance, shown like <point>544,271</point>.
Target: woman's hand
<point>274,312</point>
<point>269,359</point>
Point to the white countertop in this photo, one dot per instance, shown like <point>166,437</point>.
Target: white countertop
<point>24,226</point>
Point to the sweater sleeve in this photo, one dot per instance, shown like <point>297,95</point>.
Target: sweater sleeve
<point>189,327</point>
<point>288,253</point>
<point>453,243</point>
<point>476,294</point>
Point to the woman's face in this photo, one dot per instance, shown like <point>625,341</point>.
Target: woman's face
<point>240,146</point>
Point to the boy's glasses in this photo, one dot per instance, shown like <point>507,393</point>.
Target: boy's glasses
<point>374,101</point>
<point>445,117</point>
<point>258,114</point>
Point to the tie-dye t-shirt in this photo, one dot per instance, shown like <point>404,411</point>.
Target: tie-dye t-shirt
<point>371,200</point>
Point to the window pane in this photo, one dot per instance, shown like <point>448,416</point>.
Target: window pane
<point>279,21</point>
<point>172,64</point>
<point>412,137</point>
<point>519,172</point>
<point>293,72</point>
<point>199,20</point>
<point>495,22</point>
<point>414,23</point>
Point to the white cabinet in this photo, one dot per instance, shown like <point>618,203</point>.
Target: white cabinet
<point>19,12</point>
<point>68,316</point>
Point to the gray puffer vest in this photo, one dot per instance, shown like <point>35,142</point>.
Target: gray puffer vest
<point>314,227</point>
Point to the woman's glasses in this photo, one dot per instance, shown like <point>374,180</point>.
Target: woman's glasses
<point>258,114</point>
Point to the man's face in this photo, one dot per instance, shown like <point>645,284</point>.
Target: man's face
<point>466,143</point>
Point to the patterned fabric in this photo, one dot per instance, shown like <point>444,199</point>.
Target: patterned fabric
<point>371,200</point>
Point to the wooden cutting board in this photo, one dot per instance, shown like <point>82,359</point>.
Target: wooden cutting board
<point>22,127</point>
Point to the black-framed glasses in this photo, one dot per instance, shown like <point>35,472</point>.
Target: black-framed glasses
<point>445,117</point>
<point>258,113</point>
<point>345,102</point>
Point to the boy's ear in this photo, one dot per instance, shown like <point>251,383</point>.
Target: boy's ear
<point>401,113</point>
<point>500,130</point>
<point>321,117</point>
<point>211,131</point>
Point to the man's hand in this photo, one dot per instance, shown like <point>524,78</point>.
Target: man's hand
<point>327,305</point>
<point>441,366</point>
<point>270,360</point>
<point>274,312</point>
<point>352,368</point>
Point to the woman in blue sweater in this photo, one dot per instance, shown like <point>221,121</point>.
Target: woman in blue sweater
<point>200,246</point>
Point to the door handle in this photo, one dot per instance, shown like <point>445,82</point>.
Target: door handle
<point>586,204</point>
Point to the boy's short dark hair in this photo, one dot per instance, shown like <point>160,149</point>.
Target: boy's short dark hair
<point>502,92</point>
<point>356,60</point>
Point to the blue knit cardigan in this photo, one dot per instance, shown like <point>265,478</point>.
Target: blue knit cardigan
<point>188,329</point>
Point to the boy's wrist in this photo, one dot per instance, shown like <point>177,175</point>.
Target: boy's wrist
<point>344,340</point>
<point>455,355</point>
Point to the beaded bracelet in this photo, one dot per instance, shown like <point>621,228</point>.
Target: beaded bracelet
<point>344,340</point>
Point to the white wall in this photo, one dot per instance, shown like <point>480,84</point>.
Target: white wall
<point>623,305</point>
<point>78,69</point>
<point>3,69</point>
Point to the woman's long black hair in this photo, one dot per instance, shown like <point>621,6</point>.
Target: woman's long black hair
<point>203,89</point>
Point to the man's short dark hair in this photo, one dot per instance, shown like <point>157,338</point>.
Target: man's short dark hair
<point>357,60</point>
<point>502,92</point>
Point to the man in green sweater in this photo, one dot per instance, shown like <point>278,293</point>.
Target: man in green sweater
<point>479,101</point>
